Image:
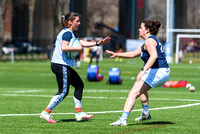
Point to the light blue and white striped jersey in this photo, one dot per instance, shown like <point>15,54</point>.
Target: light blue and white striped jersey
<point>59,56</point>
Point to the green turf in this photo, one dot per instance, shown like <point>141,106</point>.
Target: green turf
<point>26,88</point>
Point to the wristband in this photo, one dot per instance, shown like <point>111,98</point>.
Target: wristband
<point>143,69</point>
<point>96,43</point>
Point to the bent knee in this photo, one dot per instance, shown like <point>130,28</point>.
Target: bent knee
<point>62,95</point>
<point>80,86</point>
<point>134,94</point>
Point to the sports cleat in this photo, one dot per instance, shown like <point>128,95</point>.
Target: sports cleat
<point>80,116</point>
<point>89,116</point>
<point>120,122</point>
<point>47,117</point>
<point>143,117</point>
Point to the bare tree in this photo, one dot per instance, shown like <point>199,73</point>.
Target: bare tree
<point>60,7</point>
<point>193,14</point>
<point>3,5</point>
<point>31,17</point>
<point>102,11</point>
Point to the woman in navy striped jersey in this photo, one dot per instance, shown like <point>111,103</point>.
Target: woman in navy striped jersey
<point>154,73</point>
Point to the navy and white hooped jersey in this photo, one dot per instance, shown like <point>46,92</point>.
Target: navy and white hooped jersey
<point>59,56</point>
<point>161,61</point>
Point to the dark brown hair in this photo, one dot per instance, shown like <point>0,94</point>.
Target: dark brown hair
<point>152,25</point>
<point>70,16</point>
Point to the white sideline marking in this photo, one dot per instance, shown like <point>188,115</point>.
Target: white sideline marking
<point>26,91</point>
<point>173,99</point>
<point>88,97</point>
<point>103,112</point>
<point>27,95</point>
<point>90,91</point>
<point>94,97</point>
<point>107,91</point>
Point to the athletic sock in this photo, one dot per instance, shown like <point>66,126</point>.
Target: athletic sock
<point>145,108</point>
<point>77,103</point>
<point>79,109</point>
<point>125,114</point>
<point>47,110</point>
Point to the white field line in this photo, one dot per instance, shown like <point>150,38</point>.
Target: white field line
<point>107,91</point>
<point>103,112</point>
<point>25,91</point>
<point>94,97</point>
<point>91,97</point>
<point>85,91</point>
<point>88,97</point>
<point>89,91</point>
<point>27,95</point>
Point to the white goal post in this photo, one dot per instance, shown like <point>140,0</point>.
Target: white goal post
<point>178,40</point>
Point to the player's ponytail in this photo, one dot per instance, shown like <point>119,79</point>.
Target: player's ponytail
<point>63,21</point>
<point>158,24</point>
<point>152,25</point>
<point>69,17</point>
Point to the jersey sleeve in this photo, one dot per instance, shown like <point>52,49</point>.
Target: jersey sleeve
<point>67,36</point>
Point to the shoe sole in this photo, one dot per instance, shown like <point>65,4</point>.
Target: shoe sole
<point>119,125</point>
<point>47,120</point>
<point>83,118</point>
<point>142,120</point>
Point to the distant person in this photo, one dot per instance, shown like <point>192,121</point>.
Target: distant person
<point>61,66</point>
<point>118,58</point>
<point>77,61</point>
<point>48,52</point>
<point>25,48</point>
<point>95,52</point>
<point>154,73</point>
<point>191,45</point>
<point>180,56</point>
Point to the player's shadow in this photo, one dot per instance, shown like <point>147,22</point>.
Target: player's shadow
<point>67,120</point>
<point>154,123</point>
<point>158,123</point>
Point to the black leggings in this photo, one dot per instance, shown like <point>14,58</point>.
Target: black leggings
<point>66,76</point>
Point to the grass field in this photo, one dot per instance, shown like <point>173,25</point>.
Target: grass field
<point>26,88</point>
